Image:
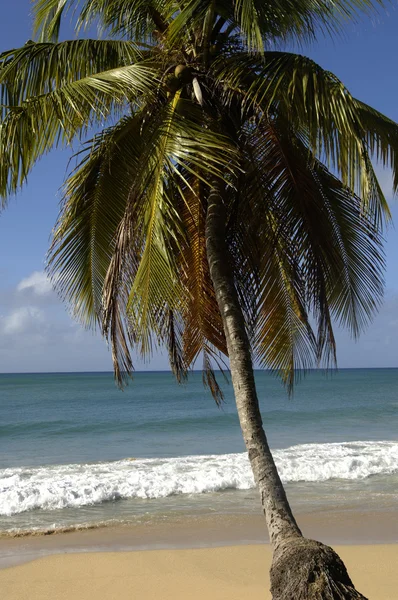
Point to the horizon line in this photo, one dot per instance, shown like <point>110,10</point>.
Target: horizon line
<point>326,370</point>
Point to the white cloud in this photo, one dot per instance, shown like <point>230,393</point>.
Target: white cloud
<point>37,282</point>
<point>37,334</point>
<point>22,319</point>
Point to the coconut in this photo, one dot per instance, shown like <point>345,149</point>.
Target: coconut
<point>184,73</point>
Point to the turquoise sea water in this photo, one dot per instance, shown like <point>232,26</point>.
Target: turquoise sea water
<point>74,449</point>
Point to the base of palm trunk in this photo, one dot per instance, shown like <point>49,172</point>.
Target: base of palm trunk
<point>307,570</point>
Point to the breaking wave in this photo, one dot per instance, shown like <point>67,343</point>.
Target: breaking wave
<point>75,485</point>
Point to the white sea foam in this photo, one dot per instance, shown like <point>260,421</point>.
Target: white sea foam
<point>61,486</point>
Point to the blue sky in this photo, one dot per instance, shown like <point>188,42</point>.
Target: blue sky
<point>37,334</point>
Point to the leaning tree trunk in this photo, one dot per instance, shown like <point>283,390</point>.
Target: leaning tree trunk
<point>301,569</point>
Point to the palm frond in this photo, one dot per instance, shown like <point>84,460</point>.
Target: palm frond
<point>184,20</point>
<point>40,68</point>
<point>203,324</point>
<point>273,289</point>
<point>263,23</point>
<point>138,19</point>
<point>173,338</point>
<point>48,15</point>
<point>210,358</point>
<point>381,134</point>
<point>337,247</point>
<point>181,144</point>
<point>39,123</point>
<point>319,107</point>
<point>176,147</point>
<point>284,340</point>
<point>90,215</point>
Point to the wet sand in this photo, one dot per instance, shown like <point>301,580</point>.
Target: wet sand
<point>334,528</point>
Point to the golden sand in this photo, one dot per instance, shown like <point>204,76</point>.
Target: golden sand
<point>228,573</point>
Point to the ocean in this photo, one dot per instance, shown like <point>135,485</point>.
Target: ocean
<point>76,451</point>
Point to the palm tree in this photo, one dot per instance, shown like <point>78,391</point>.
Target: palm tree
<point>226,204</point>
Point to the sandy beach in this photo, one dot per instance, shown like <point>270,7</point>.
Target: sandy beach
<point>227,573</point>
<point>78,521</point>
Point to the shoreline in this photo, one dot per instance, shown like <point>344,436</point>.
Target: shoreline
<point>227,573</point>
<point>343,528</point>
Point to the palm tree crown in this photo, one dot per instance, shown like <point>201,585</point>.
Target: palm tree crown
<point>179,94</point>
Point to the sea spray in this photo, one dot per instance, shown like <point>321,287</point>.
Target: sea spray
<point>77,485</point>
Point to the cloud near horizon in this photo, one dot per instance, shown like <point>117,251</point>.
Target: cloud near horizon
<point>22,319</point>
<point>37,283</point>
<point>37,334</point>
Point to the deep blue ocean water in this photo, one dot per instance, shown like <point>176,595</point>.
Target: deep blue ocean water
<point>74,449</point>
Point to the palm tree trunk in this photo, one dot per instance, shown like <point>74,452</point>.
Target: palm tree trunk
<point>280,521</point>
<point>301,569</point>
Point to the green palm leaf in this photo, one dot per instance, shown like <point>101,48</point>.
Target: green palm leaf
<point>180,144</point>
<point>381,134</point>
<point>319,107</point>
<point>136,18</point>
<point>90,215</point>
<point>42,122</point>
<point>40,68</point>
<point>174,149</point>
<point>48,14</point>
<point>337,245</point>
<point>203,334</point>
